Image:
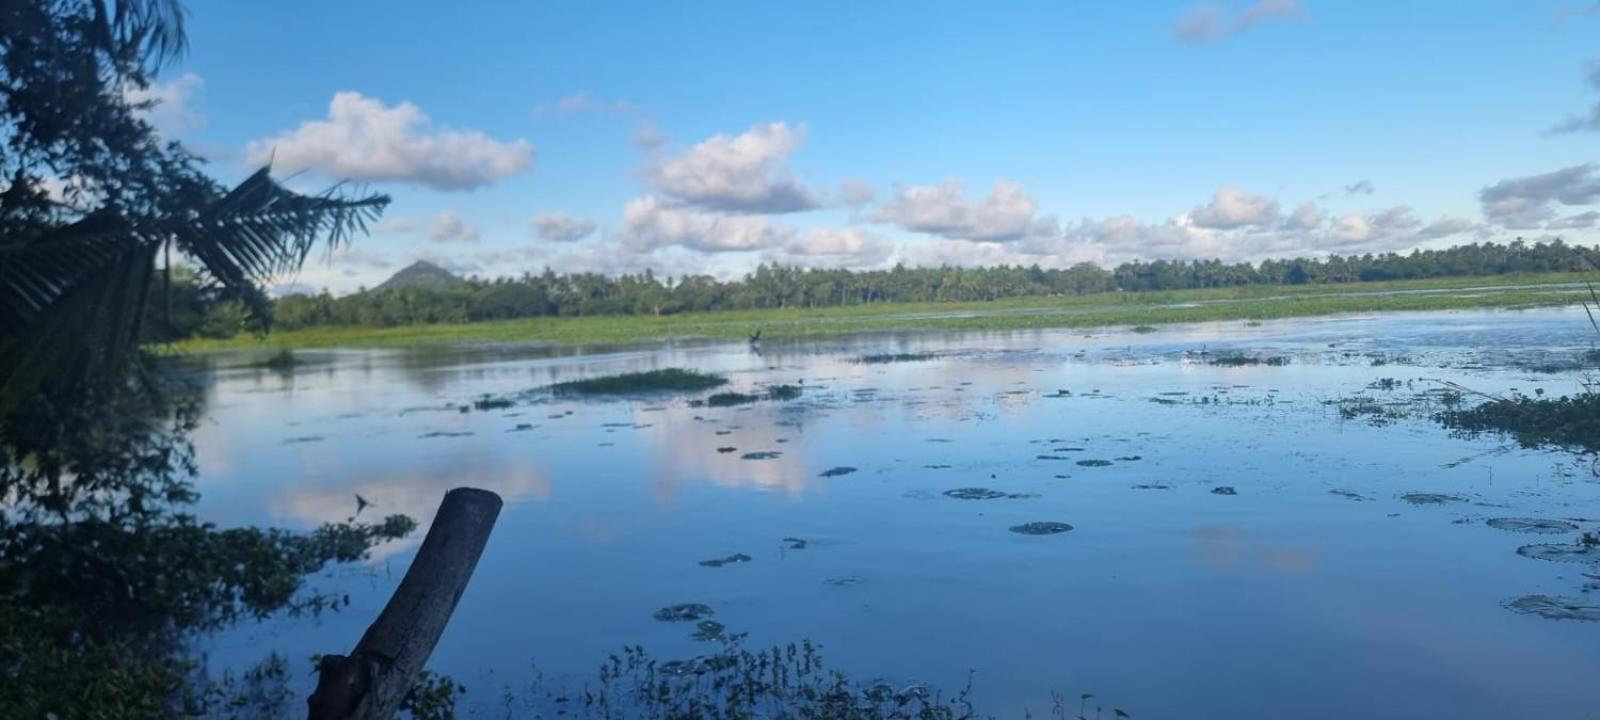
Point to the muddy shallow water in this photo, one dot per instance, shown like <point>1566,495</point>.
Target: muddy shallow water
<point>1310,588</point>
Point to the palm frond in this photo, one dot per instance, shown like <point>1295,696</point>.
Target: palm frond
<point>72,299</point>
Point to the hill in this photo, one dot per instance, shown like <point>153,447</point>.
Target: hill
<point>419,274</point>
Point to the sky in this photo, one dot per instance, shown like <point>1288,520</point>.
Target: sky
<point>709,137</point>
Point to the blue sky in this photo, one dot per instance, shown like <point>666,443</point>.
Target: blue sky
<point>709,137</point>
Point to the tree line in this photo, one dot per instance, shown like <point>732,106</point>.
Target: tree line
<point>776,286</point>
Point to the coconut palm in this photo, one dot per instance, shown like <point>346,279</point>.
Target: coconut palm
<point>90,196</point>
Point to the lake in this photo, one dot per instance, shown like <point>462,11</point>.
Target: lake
<point>1351,573</point>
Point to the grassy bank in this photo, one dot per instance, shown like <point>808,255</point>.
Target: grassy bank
<point>1111,309</point>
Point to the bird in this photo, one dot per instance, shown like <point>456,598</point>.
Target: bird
<point>361,503</point>
<point>755,338</point>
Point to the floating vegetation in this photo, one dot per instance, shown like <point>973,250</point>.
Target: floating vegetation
<point>685,612</point>
<point>975,493</point>
<point>1094,463</point>
<point>1532,525</point>
<point>671,379</point>
<point>1431,498</point>
<point>761,455</point>
<point>1556,607</point>
<point>1351,494</point>
<point>725,449</point>
<point>837,471</point>
<point>523,427</point>
<point>1572,422</point>
<point>936,467</point>
<point>1051,457</point>
<point>1130,458</point>
<point>708,630</point>
<point>1224,490</point>
<point>885,358</point>
<point>729,560</point>
<point>445,433</point>
<point>1241,360</point>
<point>844,580</point>
<point>795,543</point>
<point>1575,553</point>
<point>489,402</point>
<point>729,399</point>
<point>1143,329</point>
<point>1152,486</point>
<point>1069,449</point>
<point>1041,528</point>
<point>783,392</point>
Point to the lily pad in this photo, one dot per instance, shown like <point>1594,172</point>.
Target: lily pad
<point>1431,498</point>
<point>761,455</point>
<point>973,493</point>
<point>1094,463</point>
<point>729,560</point>
<point>1574,553</point>
<point>707,630</point>
<point>1041,528</point>
<point>836,472</point>
<point>1532,525</point>
<point>685,612</point>
<point>1556,607</point>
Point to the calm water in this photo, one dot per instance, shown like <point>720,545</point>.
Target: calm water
<point>1284,600</point>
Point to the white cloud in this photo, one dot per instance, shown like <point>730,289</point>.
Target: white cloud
<point>1589,122</point>
<point>447,227</point>
<point>1579,221</point>
<point>167,106</point>
<point>1233,208</point>
<point>1209,22</point>
<point>1446,226</point>
<point>398,225</point>
<point>1522,203</point>
<point>649,224</point>
<point>832,247</point>
<point>351,256</point>
<point>561,227</point>
<point>1305,218</point>
<point>363,139</point>
<point>743,173</point>
<point>647,137</point>
<point>1359,187</point>
<point>1007,213</point>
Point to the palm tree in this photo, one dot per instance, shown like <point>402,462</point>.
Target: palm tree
<point>76,273</point>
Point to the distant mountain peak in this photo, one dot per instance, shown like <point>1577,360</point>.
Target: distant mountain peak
<point>419,274</point>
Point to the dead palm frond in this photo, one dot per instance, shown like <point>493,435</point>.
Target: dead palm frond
<point>72,299</point>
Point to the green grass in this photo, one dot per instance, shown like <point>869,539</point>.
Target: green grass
<point>1252,304</point>
<point>671,379</point>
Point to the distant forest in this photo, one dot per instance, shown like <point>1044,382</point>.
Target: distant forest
<point>437,297</point>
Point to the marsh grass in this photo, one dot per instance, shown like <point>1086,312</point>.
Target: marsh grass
<point>668,380</point>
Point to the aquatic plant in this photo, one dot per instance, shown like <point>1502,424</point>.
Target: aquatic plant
<point>1241,360</point>
<point>670,379</point>
<point>729,399</point>
<point>1569,421</point>
<point>885,358</point>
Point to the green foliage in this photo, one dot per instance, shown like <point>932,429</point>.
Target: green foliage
<point>671,379</point>
<point>729,399</point>
<point>1572,422</point>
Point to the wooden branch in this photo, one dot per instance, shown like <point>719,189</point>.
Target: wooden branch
<point>371,682</point>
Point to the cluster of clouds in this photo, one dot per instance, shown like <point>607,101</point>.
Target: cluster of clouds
<point>740,196</point>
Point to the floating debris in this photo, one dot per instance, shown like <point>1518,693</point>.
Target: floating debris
<point>1532,525</point>
<point>1556,607</point>
<point>685,612</point>
<point>1094,463</point>
<point>974,493</point>
<point>837,471</point>
<point>761,455</point>
<point>1431,498</point>
<point>1041,528</point>
<point>1575,553</point>
<point>1224,490</point>
<point>708,630</point>
<point>729,560</point>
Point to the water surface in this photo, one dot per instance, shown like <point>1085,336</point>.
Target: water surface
<point>1314,590</point>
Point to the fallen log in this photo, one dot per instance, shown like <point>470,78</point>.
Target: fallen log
<point>372,681</point>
